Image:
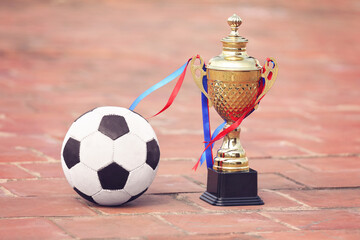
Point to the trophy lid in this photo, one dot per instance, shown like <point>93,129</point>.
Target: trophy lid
<point>234,56</point>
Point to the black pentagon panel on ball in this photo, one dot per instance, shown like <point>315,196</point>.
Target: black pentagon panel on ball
<point>83,195</point>
<point>113,126</point>
<point>153,154</point>
<point>71,153</point>
<point>113,177</point>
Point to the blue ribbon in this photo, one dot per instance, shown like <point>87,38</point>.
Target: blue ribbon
<point>158,85</point>
<point>207,155</point>
<point>206,125</point>
<point>203,156</point>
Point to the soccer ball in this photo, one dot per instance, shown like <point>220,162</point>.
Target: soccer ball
<point>110,155</point>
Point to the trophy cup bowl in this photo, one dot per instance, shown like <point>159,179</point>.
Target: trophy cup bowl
<point>231,95</point>
<point>233,88</point>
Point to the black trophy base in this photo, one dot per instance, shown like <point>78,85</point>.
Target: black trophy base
<point>232,188</point>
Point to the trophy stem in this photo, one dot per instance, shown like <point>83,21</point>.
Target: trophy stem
<point>231,157</point>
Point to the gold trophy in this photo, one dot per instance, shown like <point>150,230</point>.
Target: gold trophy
<point>233,80</point>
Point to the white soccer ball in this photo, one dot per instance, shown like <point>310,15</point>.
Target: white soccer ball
<point>110,155</point>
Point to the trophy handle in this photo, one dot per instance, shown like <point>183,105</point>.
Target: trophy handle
<point>269,73</point>
<point>198,79</point>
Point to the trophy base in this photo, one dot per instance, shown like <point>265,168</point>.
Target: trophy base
<point>232,188</point>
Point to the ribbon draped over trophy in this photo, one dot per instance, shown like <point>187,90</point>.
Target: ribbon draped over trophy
<point>234,83</point>
<point>268,76</point>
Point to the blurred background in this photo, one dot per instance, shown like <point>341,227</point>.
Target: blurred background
<point>59,58</point>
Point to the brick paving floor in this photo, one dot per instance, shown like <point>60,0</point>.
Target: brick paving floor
<point>59,59</point>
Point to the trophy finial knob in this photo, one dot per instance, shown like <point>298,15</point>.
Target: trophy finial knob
<point>234,22</point>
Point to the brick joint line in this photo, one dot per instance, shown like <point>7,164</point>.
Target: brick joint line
<point>170,224</point>
<point>61,228</point>
<point>278,221</point>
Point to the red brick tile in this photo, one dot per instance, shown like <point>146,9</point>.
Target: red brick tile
<point>320,220</point>
<point>116,227</point>
<point>40,187</point>
<point>8,171</point>
<point>274,181</point>
<point>313,235</point>
<point>41,143</point>
<point>37,124</point>
<point>200,176</point>
<point>30,228</point>
<point>180,146</point>
<point>2,192</point>
<point>333,198</point>
<point>173,184</point>
<point>252,149</point>
<point>43,206</point>
<point>271,199</point>
<point>273,165</point>
<point>331,145</point>
<point>207,236</point>
<point>280,148</point>
<point>330,164</point>
<point>151,204</point>
<point>326,179</point>
<point>224,223</point>
<point>20,156</point>
<point>179,167</point>
<point>47,170</point>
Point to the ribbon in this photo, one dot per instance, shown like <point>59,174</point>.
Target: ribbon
<point>179,72</point>
<point>203,155</point>
<point>206,124</point>
<point>175,90</point>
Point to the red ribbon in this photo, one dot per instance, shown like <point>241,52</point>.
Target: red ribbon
<point>175,90</point>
